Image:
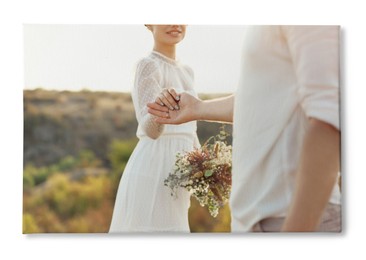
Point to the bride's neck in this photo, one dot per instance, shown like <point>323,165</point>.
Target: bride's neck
<point>168,51</point>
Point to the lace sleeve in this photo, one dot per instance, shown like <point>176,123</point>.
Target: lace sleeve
<point>146,88</point>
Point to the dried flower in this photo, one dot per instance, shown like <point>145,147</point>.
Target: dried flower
<point>205,172</point>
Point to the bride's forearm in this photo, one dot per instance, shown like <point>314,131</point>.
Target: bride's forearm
<point>219,110</point>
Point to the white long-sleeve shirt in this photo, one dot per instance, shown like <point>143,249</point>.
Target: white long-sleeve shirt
<point>288,74</point>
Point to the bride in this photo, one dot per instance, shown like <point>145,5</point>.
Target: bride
<point>143,203</point>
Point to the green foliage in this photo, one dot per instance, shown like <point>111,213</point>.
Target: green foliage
<point>56,201</point>
<point>33,176</point>
<point>208,173</point>
<point>67,163</point>
<point>87,158</point>
<point>68,192</point>
<point>29,224</point>
<point>28,180</point>
<point>57,124</point>
<point>76,147</point>
<point>120,152</point>
<point>200,219</point>
<point>68,199</point>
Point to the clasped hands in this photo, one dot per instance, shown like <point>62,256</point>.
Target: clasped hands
<point>173,108</point>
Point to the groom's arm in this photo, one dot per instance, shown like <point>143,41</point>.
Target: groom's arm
<point>218,110</point>
<point>318,169</point>
<point>315,55</point>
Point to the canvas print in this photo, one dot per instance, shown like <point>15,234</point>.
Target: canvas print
<point>181,128</point>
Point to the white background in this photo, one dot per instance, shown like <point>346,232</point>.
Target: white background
<point>103,57</point>
<point>14,245</point>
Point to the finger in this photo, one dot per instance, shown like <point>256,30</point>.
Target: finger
<point>171,98</point>
<point>174,94</point>
<point>159,114</point>
<point>159,102</point>
<point>166,99</point>
<point>157,107</point>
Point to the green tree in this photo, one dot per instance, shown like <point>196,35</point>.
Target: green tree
<point>120,152</point>
<point>29,224</point>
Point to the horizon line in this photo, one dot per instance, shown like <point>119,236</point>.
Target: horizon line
<point>104,91</point>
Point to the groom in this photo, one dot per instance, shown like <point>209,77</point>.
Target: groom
<point>286,138</point>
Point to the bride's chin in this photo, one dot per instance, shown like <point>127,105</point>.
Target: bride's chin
<point>175,39</point>
<point>173,42</point>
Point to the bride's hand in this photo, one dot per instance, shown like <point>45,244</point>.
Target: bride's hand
<point>189,110</point>
<point>168,98</point>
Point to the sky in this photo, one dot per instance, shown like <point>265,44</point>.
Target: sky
<point>103,57</point>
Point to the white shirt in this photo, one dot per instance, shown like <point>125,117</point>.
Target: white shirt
<point>289,73</point>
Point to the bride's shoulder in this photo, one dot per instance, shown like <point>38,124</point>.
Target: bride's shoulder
<point>146,65</point>
<point>189,70</point>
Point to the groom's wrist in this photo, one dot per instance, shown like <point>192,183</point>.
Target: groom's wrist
<point>199,111</point>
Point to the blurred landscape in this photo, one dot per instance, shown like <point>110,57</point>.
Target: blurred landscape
<point>76,145</point>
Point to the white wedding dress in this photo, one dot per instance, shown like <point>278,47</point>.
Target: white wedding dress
<point>143,203</point>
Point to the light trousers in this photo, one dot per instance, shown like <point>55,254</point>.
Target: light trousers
<point>331,221</point>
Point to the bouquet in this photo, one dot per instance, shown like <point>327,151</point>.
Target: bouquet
<point>205,172</point>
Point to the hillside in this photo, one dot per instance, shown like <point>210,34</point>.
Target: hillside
<point>76,145</point>
<point>57,124</point>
